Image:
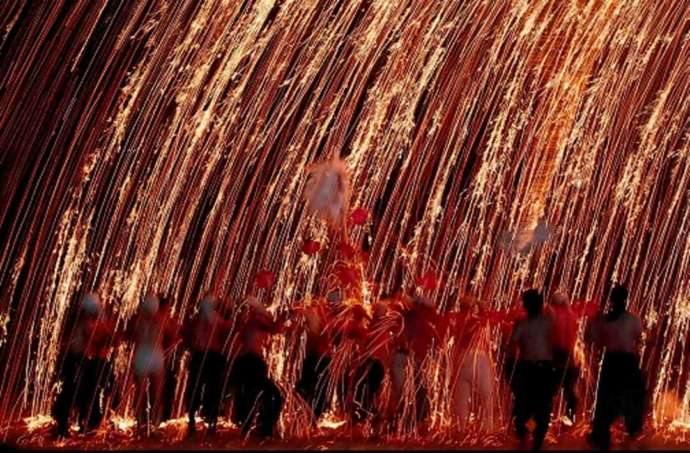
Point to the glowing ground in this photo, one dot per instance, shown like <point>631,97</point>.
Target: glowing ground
<point>172,436</point>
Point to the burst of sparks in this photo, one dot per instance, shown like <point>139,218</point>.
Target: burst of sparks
<point>164,145</point>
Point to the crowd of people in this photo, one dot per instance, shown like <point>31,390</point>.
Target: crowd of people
<point>350,349</point>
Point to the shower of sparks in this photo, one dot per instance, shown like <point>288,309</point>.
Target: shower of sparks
<point>165,146</point>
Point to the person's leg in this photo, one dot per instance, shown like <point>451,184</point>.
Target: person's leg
<point>635,401</point>
<point>544,390</point>
<point>522,415</point>
<point>87,393</point>
<point>306,385</point>
<point>140,403</point>
<point>374,380</point>
<point>214,390</point>
<point>169,384</point>
<point>102,371</point>
<point>271,403</point>
<point>463,392</point>
<point>604,417</point>
<point>322,391</point>
<point>156,387</point>
<point>358,410</point>
<point>422,402</point>
<point>398,381</point>
<point>193,390</point>
<point>571,375</point>
<point>606,409</point>
<point>483,383</point>
<point>248,378</point>
<point>67,396</point>
<point>236,384</point>
<point>522,407</point>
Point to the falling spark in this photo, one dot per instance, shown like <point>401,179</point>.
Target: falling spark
<point>166,146</point>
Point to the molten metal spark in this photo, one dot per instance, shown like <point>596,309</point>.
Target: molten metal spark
<point>165,146</point>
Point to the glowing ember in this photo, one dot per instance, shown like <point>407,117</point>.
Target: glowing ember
<point>330,421</point>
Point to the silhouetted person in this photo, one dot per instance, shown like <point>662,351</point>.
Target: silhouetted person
<point>533,382</point>
<point>314,382</point>
<point>147,334</point>
<point>412,346</point>
<point>256,397</point>
<point>370,370</point>
<point>621,389</point>
<point>565,336</point>
<point>362,377</point>
<point>470,359</point>
<point>84,371</point>
<point>171,332</point>
<point>205,336</point>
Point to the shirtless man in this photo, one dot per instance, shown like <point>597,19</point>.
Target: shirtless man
<point>534,375</point>
<point>565,336</point>
<point>255,394</point>
<point>364,377</point>
<point>147,333</point>
<point>314,383</point>
<point>171,337</point>
<point>84,368</point>
<point>371,365</point>
<point>471,357</point>
<point>205,336</point>
<point>413,345</point>
<point>621,389</point>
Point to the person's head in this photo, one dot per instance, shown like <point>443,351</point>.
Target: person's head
<point>422,302</point>
<point>533,301</point>
<point>334,297</point>
<point>150,305</point>
<point>619,298</point>
<point>91,305</point>
<point>469,304</point>
<point>560,299</point>
<point>208,305</point>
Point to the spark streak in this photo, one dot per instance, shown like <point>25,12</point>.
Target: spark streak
<point>165,145</point>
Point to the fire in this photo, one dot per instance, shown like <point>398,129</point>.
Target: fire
<point>331,421</point>
<point>166,146</point>
<point>37,422</point>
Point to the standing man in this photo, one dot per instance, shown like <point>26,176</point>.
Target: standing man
<point>565,336</point>
<point>534,374</point>
<point>205,336</point>
<point>371,369</point>
<point>315,382</point>
<point>147,333</point>
<point>171,333</point>
<point>255,395</point>
<point>413,344</point>
<point>84,368</point>
<point>471,357</point>
<point>621,389</point>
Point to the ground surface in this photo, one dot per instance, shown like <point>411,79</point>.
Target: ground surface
<point>174,437</point>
